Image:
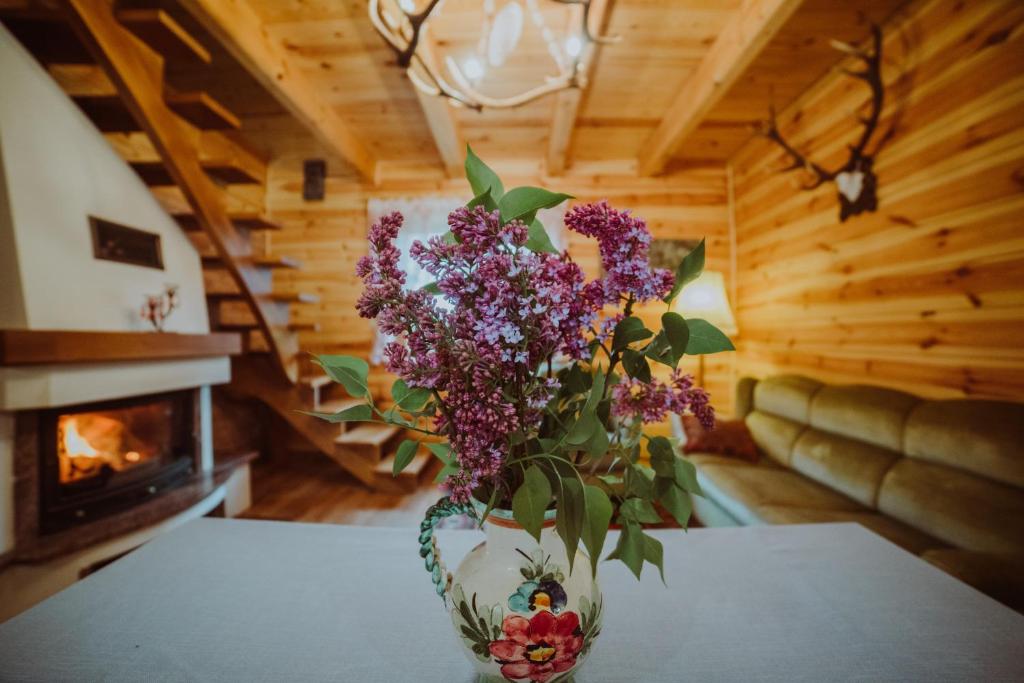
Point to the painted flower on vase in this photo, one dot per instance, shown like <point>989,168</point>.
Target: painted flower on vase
<point>536,649</point>
<point>538,596</point>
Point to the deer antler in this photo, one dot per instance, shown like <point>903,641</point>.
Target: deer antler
<point>770,130</point>
<point>871,74</point>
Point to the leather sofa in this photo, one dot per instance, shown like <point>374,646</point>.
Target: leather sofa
<point>944,479</point>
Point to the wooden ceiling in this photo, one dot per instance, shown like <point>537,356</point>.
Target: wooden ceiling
<point>681,88</point>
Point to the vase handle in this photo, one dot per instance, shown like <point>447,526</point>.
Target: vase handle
<point>429,550</point>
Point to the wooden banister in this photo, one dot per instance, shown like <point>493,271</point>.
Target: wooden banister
<point>137,73</point>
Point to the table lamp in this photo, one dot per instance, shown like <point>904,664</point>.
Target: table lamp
<point>705,298</point>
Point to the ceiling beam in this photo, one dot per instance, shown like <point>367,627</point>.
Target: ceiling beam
<point>567,102</point>
<point>737,45</point>
<point>440,115</point>
<point>239,28</point>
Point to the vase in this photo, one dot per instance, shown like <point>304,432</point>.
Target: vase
<point>518,611</point>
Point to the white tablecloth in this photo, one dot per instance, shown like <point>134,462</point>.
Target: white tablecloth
<point>229,600</point>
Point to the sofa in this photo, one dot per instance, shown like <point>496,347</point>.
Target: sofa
<point>943,479</point>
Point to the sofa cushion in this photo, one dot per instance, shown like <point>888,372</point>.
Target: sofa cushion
<point>906,537</point>
<point>774,435</point>
<point>984,437</point>
<point>998,576</point>
<point>871,414</point>
<point>786,396</point>
<point>851,467</point>
<point>964,510</point>
<point>739,488</point>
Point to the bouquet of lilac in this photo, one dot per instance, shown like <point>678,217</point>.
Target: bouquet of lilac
<point>538,381</point>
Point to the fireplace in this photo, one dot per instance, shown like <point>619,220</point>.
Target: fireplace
<point>100,458</point>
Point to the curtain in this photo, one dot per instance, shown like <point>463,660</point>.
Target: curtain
<point>424,218</point>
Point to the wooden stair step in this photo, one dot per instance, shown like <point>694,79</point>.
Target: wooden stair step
<point>249,220</point>
<point>161,32</point>
<point>304,327</point>
<point>254,342</point>
<point>368,435</point>
<point>152,172</point>
<point>369,441</point>
<point>218,282</point>
<point>224,159</point>
<point>234,313</point>
<point>49,40</point>
<point>409,479</point>
<point>336,405</point>
<point>107,113</point>
<point>294,297</point>
<point>278,262</point>
<point>201,110</point>
<point>204,246</point>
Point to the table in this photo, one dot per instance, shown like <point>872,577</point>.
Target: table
<point>232,600</point>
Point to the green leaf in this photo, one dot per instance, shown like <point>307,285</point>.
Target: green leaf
<point>537,239</point>
<point>524,202</point>
<point>583,429</point>
<point>629,330</point>
<point>663,456</point>
<point>677,333</point>
<point>638,482</point>
<point>630,548</point>
<point>431,288</point>
<point>687,271</point>
<point>354,414</point>
<point>636,365</point>
<point>673,499</point>
<point>349,371</point>
<point>706,338</point>
<point>480,176</point>
<point>596,392</point>
<point>442,451</point>
<point>406,398</point>
<point>598,444</point>
<point>639,510</point>
<point>654,553</point>
<point>445,472</point>
<point>569,520</point>
<point>531,500</point>
<point>483,199</point>
<point>684,473</point>
<point>595,524</point>
<point>403,456</point>
<point>659,350</point>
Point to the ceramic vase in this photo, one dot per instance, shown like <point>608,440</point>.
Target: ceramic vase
<point>518,611</point>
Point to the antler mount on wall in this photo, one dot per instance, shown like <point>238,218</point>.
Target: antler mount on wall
<point>855,180</point>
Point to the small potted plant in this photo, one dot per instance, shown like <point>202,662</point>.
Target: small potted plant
<point>533,385</point>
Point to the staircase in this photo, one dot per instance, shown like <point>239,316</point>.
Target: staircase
<point>185,146</point>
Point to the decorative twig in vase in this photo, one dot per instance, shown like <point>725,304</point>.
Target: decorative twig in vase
<point>538,384</point>
<point>158,307</point>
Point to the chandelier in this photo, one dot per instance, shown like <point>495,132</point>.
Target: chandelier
<point>401,23</point>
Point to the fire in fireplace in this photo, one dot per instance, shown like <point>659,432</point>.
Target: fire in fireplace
<point>100,458</point>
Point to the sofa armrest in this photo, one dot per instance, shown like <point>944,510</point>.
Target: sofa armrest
<point>744,396</point>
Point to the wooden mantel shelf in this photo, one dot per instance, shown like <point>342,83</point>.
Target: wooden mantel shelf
<point>34,347</point>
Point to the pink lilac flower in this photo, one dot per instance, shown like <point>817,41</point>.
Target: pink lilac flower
<point>653,401</point>
<point>623,241</point>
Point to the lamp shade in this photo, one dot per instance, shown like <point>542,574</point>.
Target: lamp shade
<point>705,298</point>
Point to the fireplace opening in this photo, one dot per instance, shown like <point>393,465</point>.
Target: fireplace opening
<point>101,458</point>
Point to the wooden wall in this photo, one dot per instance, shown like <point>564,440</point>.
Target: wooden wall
<point>329,236</point>
<point>927,294</point>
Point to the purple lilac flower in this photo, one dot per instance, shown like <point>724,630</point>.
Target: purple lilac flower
<point>653,401</point>
<point>624,242</point>
<point>512,310</point>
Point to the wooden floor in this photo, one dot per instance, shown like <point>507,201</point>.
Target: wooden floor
<point>308,487</point>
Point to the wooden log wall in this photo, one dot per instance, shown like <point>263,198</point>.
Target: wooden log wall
<point>329,236</point>
<point>927,294</point>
